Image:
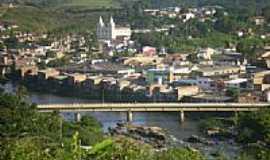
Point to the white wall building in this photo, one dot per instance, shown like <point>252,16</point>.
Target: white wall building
<point>111,31</point>
<point>205,53</point>
<point>239,83</point>
<point>202,82</point>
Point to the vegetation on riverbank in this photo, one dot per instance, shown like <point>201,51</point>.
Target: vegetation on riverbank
<point>251,130</point>
<point>254,131</point>
<point>26,134</point>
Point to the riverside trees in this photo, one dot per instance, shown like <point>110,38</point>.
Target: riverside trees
<point>26,134</point>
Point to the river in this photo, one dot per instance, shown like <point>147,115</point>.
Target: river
<point>169,121</point>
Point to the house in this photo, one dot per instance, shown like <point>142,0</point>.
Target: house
<point>20,62</point>
<point>153,88</point>
<point>208,98</point>
<point>204,83</point>
<point>261,80</point>
<point>205,53</point>
<point>76,78</point>
<point>187,16</point>
<point>218,71</point>
<point>58,79</point>
<point>179,72</point>
<point>249,97</point>
<point>267,95</point>
<point>258,20</point>
<point>161,92</point>
<point>141,60</point>
<point>239,83</point>
<point>112,68</point>
<point>122,83</point>
<point>187,91</point>
<point>157,75</point>
<point>149,51</point>
<point>28,70</point>
<point>45,74</point>
<point>230,58</point>
<point>92,82</point>
<point>176,58</point>
<point>266,58</point>
<point>108,83</point>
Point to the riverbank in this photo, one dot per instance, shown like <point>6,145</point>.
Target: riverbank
<point>168,121</point>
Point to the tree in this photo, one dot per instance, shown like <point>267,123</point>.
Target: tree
<point>250,46</point>
<point>21,92</point>
<point>180,154</point>
<point>254,127</point>
<point>26,134</point>
<point>233,92</point>
<point>266,13</point>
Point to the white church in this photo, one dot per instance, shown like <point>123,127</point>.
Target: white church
<point>111,31</point>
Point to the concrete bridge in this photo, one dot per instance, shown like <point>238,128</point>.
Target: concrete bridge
<point>152,107</point>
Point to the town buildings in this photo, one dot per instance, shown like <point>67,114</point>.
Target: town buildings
<point>120,70</point>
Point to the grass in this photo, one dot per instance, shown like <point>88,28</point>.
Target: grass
<point>42,20</point>
<point>93,4</point>
<point>67,16</point>
<point>32,19</point>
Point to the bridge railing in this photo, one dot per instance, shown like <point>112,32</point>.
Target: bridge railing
<point>154,105</point>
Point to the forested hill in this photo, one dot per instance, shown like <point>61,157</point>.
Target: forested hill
<point>230,4</point>
<point>94,4</point>
<point>65,15</point>
<point>156,3</point>
<point>35,2</point>
<point>249,5</point>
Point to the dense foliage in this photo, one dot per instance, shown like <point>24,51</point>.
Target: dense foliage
<point>254,130</point>
<point>255,127</point>
<point>121,148</point>
<point>28,134</point>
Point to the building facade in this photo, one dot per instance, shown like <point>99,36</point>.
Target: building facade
<point>111,31</point>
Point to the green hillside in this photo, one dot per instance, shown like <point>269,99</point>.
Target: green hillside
<point>82,15</point>
<point>56,15</point>
<point>92,4</point>
<point>31,18</point>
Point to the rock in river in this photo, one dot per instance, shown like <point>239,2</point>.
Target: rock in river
<point>154,136</point>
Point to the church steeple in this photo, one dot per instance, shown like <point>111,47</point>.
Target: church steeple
<point>101,23</point>
<point>112,21</point>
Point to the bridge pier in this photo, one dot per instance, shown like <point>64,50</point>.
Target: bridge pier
<point>129,116</point>
<point>182,116</point>
<point>77,117</point>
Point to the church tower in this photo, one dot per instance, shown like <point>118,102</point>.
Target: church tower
<point>109,31</point>
<point>112,29</point>
<point>100,28</point>
<point>101,23</point>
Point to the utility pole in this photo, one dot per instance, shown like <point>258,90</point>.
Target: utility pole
<point>103,95</point>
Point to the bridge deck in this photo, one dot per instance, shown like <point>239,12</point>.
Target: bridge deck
<point>153,107</point>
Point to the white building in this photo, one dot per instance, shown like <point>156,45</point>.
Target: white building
<point>202,82</point>
<point>111,31</point>
<point>205,53</point>
<point>239,83</point>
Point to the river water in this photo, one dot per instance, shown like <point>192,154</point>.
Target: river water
<point>169,121</point>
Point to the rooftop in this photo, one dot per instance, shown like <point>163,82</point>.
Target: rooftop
<point>236,81</point>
